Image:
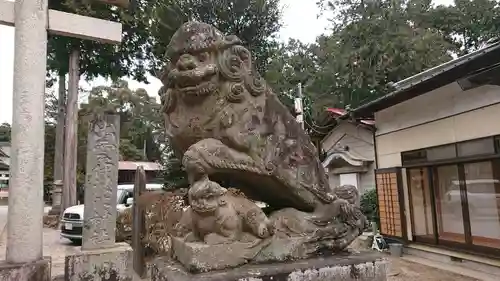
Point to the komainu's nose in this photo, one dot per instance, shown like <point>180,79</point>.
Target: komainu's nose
<point>186,62</point>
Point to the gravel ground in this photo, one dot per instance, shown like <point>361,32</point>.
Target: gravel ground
<point>400,270</point>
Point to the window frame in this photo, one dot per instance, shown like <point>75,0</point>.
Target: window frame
<point>452,160</point>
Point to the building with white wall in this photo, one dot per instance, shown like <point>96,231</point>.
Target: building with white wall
<point>437,144</point>
<point>350,154</point>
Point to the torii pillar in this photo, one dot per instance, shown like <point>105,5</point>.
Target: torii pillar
<point>32,20</point>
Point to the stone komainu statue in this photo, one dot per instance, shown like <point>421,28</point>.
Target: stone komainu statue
<point>229,126</point>
<point>224,119</point>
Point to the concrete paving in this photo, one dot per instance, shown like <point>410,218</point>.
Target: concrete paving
<point>53,245</point>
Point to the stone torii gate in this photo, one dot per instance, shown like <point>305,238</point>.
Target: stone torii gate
<point>32,20</point>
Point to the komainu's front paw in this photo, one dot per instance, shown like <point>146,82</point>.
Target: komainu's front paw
<point>265,229</point>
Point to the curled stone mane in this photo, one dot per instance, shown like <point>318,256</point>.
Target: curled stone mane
<point>235,65</point>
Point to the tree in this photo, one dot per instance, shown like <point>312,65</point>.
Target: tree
<point>129,58</point>
<point>141,136</point>
<point>376,43</point>
<point>372,43</point>
<point>468,24</point>
<point>255,22</point>
<point>140,121</point>
<point>174,175</point>
<point>292,63</point>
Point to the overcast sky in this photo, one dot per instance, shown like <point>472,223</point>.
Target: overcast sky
<point>299,18</point>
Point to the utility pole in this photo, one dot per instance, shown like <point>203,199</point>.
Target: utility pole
<point>299,109</point>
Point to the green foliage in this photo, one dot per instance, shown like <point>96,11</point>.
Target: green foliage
<point>468,24</point>
<point>174,175</point>
<point>5,132</point>
<point>292,63</point>
<point>140,120</point>
<point>370,45</point>
<point>256,22</point>
<point>130,58</point>
<point>141,125</point>
<point>369,205</point>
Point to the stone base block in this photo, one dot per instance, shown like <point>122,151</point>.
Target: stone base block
<point>34,271</point>
<point>199,257</point>
<point>100,265</point>
<point>51,221</point>
<point>343,267</point>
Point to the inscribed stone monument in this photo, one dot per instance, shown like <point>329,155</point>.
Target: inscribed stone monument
<point>101,183</point>
<point>229,127</point>
<point>100,257</point>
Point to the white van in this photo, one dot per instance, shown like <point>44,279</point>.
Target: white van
<point>72,220</point>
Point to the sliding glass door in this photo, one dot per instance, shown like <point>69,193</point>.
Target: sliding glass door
<point>421,203</point>
<point>482,181</point>
<point>437,204</point>
<point>450,201</point>
<point>456,204</point>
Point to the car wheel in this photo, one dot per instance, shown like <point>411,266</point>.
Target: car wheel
<point>76,241</point>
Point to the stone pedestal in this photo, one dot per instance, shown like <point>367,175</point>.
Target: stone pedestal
<point>100,265</point>
<point>346,267</point>
<point>32,271</point>
<point>198,257</point>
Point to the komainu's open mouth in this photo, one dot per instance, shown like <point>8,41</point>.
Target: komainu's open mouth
<point>198,82</point>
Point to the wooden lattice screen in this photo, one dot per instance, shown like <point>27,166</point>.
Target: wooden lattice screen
<point>389,203</point>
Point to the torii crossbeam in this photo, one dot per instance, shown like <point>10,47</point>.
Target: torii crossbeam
<point>70,25</point>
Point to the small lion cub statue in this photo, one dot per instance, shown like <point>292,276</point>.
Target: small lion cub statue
<point>216,217</point>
